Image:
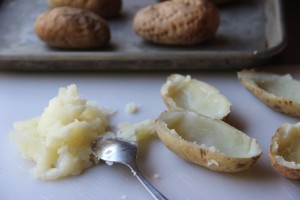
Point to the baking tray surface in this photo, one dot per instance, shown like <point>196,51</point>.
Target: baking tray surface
<point>250,32</point>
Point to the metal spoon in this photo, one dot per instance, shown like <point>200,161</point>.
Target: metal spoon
<point>119,151</point>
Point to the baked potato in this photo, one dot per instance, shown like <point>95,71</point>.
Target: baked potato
<point>72,28</point>
<point>177,22</point>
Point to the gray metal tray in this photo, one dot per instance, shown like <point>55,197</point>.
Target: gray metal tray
<point>251,31</point>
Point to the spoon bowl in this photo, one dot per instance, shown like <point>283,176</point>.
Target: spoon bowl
<point>123,152</point>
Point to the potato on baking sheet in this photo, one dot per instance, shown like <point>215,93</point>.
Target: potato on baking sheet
<point>285,150</point>
<point>280,92</point>
<point>177,22</point>
<point>72,28</point>
<point>104,8</point>
<point>183,92</point>
<point>207,142</point>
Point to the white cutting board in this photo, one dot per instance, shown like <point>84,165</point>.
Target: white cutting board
<point>24,96</point>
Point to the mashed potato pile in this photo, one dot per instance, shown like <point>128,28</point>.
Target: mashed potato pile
<point>59,141</point>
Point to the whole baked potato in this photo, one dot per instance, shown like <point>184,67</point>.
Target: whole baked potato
<point>177,22</point>
<point>72,28</point>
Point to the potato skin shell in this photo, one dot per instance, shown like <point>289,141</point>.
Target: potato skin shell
<point>282,170</point>
<point>73,28</point>
<point>286,106</point>
<point>192,153</point>
<point>104,8</point>
<point>177,22</point>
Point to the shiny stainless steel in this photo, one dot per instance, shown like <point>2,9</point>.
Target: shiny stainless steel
<point>250,32</point>
<point>118,151</point>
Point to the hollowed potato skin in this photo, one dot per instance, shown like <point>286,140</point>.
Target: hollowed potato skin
<point>197,155</point>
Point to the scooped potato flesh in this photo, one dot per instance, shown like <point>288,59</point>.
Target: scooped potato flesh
<point>205,131</point>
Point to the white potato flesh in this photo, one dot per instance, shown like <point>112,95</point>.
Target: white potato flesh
<point>59,141</point>
<point>285,150</point>
<point>182,92</point>
<point>286,146</point>
<point>136,132</point>
<point>211,134</point>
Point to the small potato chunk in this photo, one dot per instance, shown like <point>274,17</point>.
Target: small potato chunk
<point>177,22</point>
<point>278,92</point>
<point>183,93</point>
<point>104,8</point>
<point>207,142</point>
<point>285,150</point>
<point>72,28</point>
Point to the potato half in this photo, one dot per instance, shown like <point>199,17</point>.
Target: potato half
<point>285,150</point>
<point>279,92</point>
<point>183,93</point>
<point>207,142</point>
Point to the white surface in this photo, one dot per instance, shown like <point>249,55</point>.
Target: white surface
<point>24,95</point>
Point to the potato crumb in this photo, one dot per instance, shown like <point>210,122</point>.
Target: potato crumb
<point>59,141</point>
<point>131,108</point>
<point>109,163</point>
<point>212,162</point>
<point>136,132</point>
<point>156,176</point>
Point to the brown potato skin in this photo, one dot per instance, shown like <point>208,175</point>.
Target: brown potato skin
<point>72,28</point>
<point>104,8</point>
<point>177,22</point>
<point>284,171</point>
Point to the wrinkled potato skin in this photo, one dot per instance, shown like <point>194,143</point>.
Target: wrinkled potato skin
<point>177,22</point>
<point>66,27</point>
<point>104,8</point>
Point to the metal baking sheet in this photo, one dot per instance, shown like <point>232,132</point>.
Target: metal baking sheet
<point>250,32</point>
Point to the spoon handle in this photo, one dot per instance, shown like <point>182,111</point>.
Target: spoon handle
<point>151,189</point>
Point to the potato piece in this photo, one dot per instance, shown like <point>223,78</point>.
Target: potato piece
<point>207,142</point>
<point>278,92</point>
<point>59,141</point>
<point>177,22</point>
<point>104,8</point>
<point>285,150</point>
<point>73,28</point>
<point>182,92</point>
